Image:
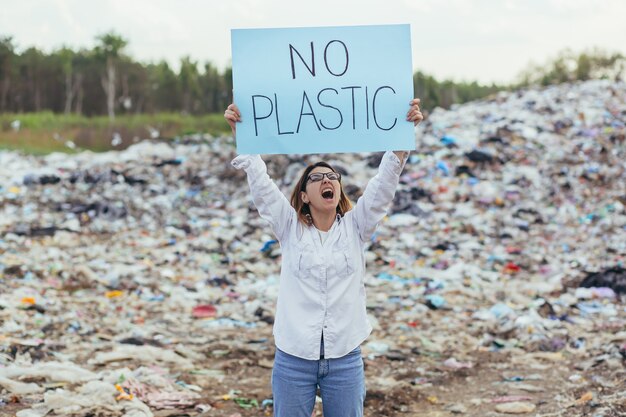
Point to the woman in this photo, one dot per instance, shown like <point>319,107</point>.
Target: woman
<point>320,315</point>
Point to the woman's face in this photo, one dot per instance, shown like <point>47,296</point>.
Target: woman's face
<point>321,192</point>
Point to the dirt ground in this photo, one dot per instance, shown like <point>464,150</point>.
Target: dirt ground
<point>408,382</point>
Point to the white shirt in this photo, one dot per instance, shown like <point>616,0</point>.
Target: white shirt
<point>323,236</point>
<point>321,289</point>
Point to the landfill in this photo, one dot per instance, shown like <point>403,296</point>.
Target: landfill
<point>142,282</point>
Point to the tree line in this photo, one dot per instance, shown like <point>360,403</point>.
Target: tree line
<point>569,66</point>
<point>105,80</point>
<point>566,66</point>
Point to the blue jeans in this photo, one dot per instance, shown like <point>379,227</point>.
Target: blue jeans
<point>341,382</point>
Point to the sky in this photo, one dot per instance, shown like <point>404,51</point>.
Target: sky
<point>462,40</point>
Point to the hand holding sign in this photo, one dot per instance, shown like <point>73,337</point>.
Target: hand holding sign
<point>415,112</point>
<point>309,90</point>
<point>232,115</point>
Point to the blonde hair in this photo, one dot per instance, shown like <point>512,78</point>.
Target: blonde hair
<point>302,208</point>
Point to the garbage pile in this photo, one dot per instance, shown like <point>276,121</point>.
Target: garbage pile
<point>142,282</point>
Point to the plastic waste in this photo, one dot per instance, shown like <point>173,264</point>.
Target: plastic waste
<point>149,268</point>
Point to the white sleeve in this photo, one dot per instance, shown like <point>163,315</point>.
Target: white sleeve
<point>372,207</point>
<point>271,203</point>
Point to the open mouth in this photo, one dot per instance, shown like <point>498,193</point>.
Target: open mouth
<point>328,194</point>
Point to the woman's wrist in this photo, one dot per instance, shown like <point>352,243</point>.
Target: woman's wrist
<point>402,155</point>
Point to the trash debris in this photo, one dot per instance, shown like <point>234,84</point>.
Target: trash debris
<point>496,281</point>
<point>585,398</point>
<point>141,354</point>
<point>204,311</point>
<point>454,364</point>
<point>516,408</point>
<point>511,399</point>
<point>612,278</point>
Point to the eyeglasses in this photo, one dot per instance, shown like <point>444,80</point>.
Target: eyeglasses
<point>318,176</point>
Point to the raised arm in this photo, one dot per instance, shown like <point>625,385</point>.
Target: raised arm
<point>372,207</point>
<point>271,203</point>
